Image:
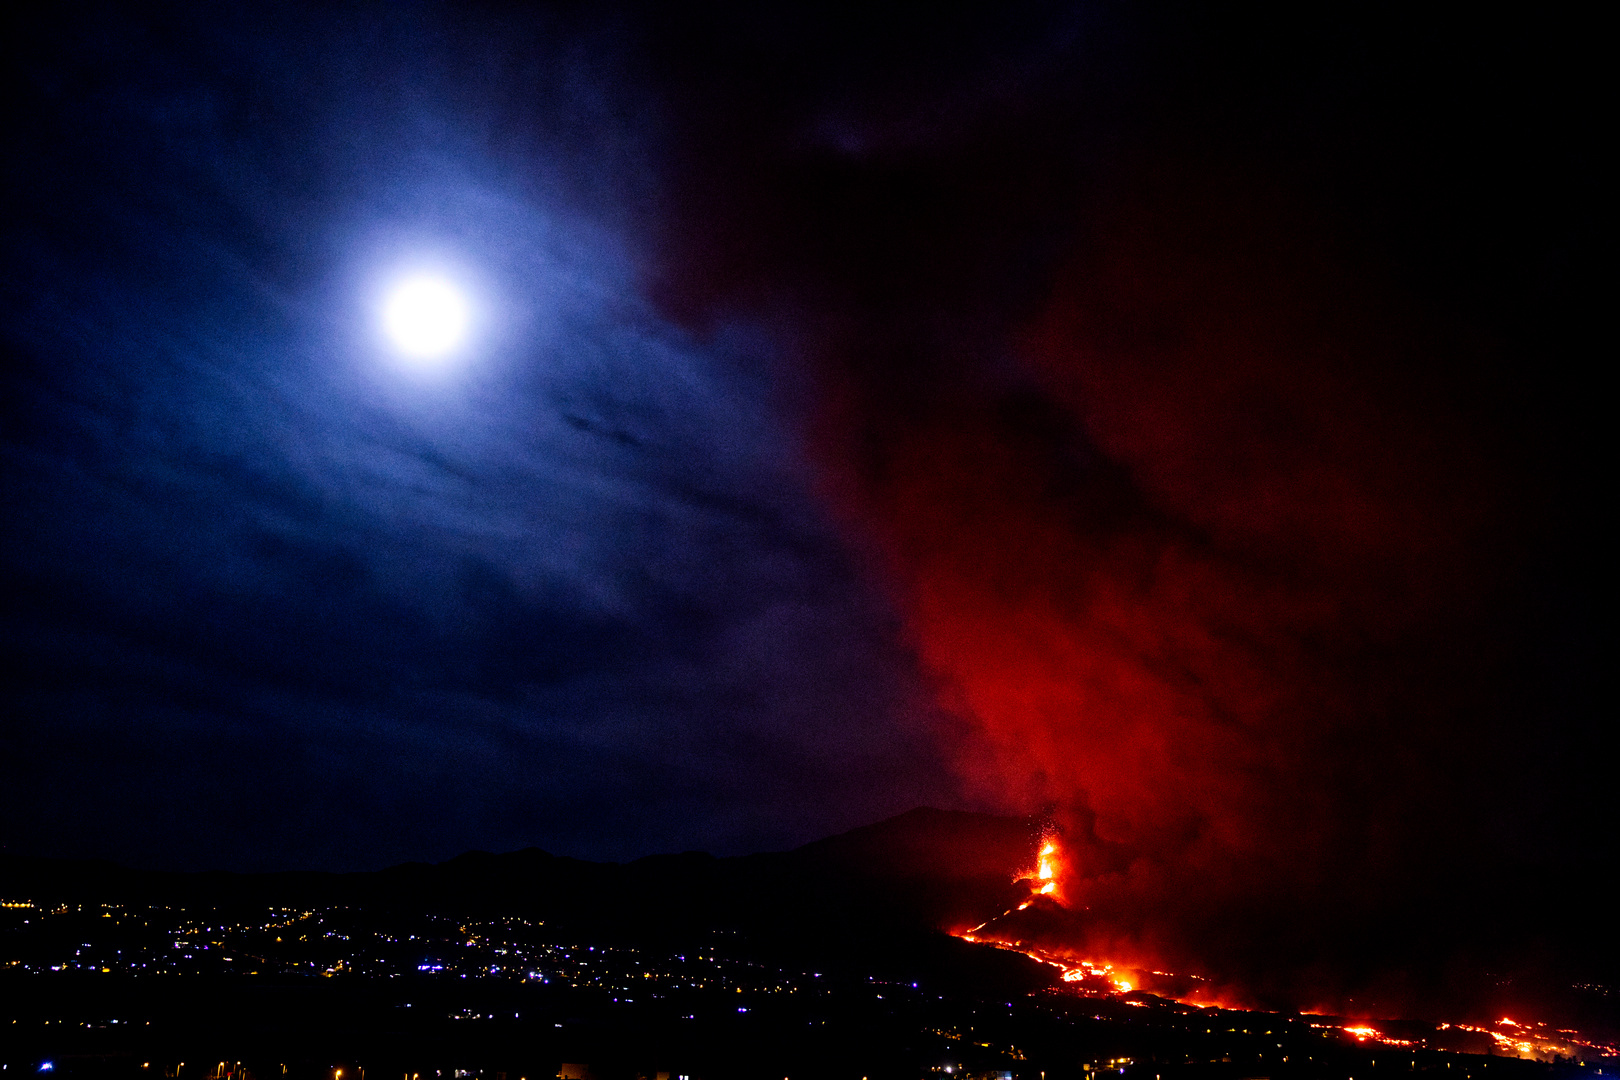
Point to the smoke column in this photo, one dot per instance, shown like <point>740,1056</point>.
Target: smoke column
<point>1214,473</point>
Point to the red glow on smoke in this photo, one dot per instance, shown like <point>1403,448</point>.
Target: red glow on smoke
<point>1194,486</point>
<point>1161,586</point>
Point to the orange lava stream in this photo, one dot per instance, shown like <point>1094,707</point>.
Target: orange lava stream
<point>1046,880</point>
<point>1536,1040</point>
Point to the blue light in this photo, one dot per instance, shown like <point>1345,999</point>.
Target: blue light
<point>46,1066</point>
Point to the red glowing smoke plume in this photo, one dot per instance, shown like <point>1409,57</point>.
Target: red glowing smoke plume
<point>1207,487</point>
<point>1190,570</point>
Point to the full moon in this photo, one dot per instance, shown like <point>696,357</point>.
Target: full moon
<point>425,317</point>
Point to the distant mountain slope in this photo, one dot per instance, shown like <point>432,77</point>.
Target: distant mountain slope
<point>877,896</point>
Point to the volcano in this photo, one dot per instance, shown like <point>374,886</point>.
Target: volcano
<point>963,902</point>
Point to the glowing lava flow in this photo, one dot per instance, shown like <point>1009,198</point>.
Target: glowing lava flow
<point>1092,978</point>
<point>1539,1040</point>
<point>1045,881</point>
<point>1364,1032</point>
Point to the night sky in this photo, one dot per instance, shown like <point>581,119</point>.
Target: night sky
<point>1177,424</point>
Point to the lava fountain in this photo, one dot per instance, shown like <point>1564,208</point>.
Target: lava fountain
<point>1047,897</point>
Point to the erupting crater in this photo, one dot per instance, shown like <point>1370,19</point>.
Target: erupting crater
<point>1048,926</point>
<point>1034,925</point>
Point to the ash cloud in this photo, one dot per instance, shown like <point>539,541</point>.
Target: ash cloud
<point>1223,465</point>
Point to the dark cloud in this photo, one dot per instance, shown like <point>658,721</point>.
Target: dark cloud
<point>1197,394</point>
<point>1208,400</point>
<point>278,604</point>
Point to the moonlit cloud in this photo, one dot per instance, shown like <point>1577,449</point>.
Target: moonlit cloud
<point>572,588</point>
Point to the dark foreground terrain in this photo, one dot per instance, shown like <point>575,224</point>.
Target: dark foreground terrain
<point>806,1027</point>
<point>823,962</point>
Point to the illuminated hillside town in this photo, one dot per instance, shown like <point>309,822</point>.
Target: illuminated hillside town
<point>202,992</point>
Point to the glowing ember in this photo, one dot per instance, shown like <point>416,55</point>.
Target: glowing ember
<point>1538,1040</point>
